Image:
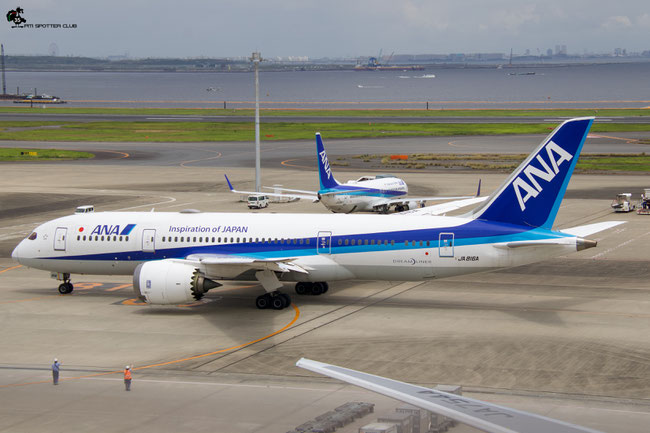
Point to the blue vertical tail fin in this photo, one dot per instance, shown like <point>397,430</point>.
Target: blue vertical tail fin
<point>531,196</point>
<point>325,174</point>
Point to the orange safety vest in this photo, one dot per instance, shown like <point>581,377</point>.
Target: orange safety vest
<point>127,374</point>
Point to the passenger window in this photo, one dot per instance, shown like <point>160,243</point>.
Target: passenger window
<point>200,239</point>
<point>126,238</point>
<point>406,243</point>
<point>354,241</point>
<point>212,240</point>
<point>340,242</point>
<point>257,239</point>
<point>372,242</point>
<point>295,241</point>
<point>182,238</point>
<point>302,240</point>
<point>102,238</point>
<point>365,241</point>
<point>428,243</point>
<point>232,240</point>
<point>421,243</point>
<point>84,237</point>
<point>192,240</point>
<point>120,238</point>
<point>392,242</point>
<point>78,237</point>
<point>114,238</point>
<point>307,240</point>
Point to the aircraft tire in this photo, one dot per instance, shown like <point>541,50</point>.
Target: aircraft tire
<point>277,302</point>
<point>66,288</point>
<point>318,289</point>
<point>302,288</point>
<point>263,301</point>
<point>326,287</point>
<point>286,298</point>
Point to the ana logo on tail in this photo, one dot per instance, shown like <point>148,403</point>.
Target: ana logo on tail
<point>532,187</point>
<point>326,163</point>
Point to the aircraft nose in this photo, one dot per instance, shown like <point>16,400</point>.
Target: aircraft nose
<point>15,254</point>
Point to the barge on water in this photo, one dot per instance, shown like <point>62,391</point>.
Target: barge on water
<point>39,99</point>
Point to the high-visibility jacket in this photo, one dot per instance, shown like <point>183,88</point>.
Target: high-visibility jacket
<point>127,374</point>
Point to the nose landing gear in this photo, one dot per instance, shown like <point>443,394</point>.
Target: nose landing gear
<point>67,286</point>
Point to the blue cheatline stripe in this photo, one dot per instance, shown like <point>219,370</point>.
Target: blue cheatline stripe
<point>127,229</point>
<point>358,190</point>
<point>472,233</point>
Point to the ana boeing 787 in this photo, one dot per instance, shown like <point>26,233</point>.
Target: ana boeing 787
<point>177,257</point>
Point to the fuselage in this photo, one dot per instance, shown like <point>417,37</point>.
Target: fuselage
<point>330,247</point>
<point>363,195</point>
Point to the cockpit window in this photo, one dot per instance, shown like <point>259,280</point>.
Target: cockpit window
<point>32,236</point>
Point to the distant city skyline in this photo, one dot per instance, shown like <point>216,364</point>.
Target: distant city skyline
<point>338,28</point>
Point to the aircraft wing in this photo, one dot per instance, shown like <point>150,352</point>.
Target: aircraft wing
<point>439,209</point>
<point>315,193</point>
<point>231,265</point>
<point>484,416</point>
<point>313,197</point>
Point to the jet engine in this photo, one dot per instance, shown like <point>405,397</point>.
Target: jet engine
<point>170,282</point>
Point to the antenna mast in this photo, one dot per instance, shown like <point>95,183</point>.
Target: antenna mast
<point>2,55</point>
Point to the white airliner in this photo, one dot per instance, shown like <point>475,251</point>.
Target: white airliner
<point>487,417</point>
<point>379,193</point>
<point>177,257</point>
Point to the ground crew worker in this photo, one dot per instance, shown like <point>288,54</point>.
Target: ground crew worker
<point>55,371</point>
<point>127,378</point>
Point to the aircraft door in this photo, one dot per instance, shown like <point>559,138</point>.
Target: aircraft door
<point>59,238</point>
<point>324,245</point>
<point>446,245</point>
<point>149,241</point>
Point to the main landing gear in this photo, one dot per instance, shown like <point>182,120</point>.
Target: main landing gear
<point>67,286</point>
<point>275,300</point>
<point>312,288</point>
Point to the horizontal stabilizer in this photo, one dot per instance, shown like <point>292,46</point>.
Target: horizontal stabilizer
<point>590,229</point>
<point>484,416</point>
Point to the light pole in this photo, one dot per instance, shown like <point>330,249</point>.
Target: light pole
<point>256,59</point>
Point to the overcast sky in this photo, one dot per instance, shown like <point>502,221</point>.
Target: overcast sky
<point>334,28</point>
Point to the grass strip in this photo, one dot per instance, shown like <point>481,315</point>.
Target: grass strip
<point>200,131</point>
<point>17,154</point>
<point>590,162</point>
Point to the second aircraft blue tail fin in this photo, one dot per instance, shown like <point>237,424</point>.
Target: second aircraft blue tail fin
<point>325,174</point>
<point>531,196</point>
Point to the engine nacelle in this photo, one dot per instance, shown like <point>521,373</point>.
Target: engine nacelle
<point>170,282</point>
